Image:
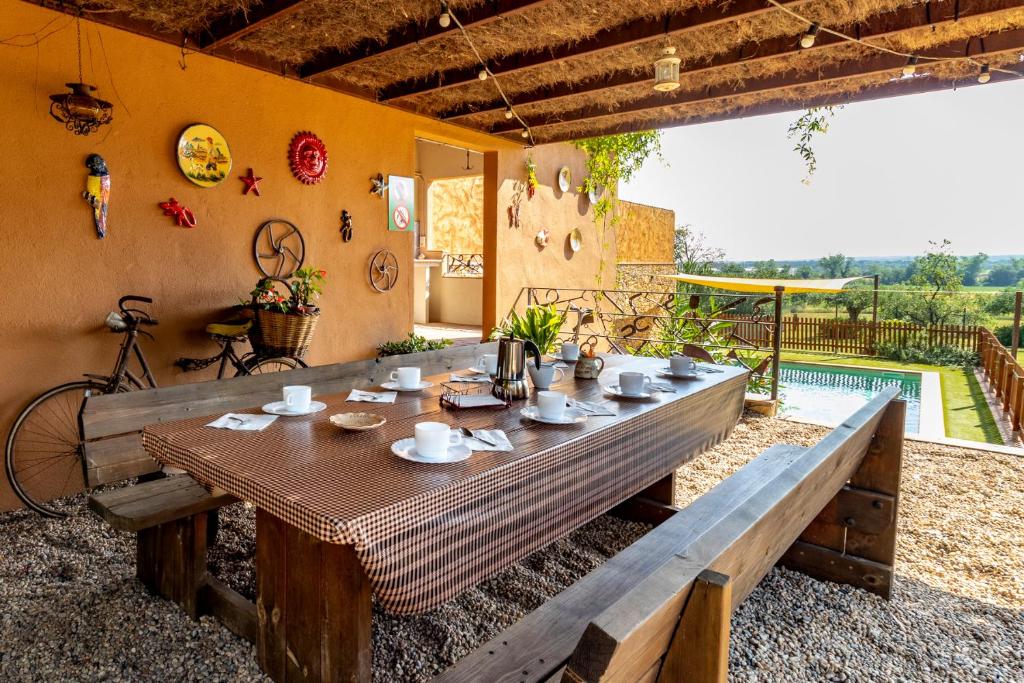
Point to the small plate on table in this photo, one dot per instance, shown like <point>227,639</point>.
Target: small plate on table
<point>616,390</point>
<point>571,416</point>
<point>394,386</point>
<point>357,422</point>
<point>281,408</point>
<point>667,372</point>
<point>406,449</point>
<point>558,357</point>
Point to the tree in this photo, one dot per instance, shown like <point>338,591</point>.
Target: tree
<point>855,301</point>
<point>693,255</point>
<point>766,270</point>
<point>935,273</point>
<point>1004,275</point>
<point>836,266</point>
<point>971,267</point>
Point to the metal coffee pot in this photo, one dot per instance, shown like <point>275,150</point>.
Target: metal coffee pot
<point>510,379</point>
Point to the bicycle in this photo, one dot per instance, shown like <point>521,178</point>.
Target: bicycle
<point>44,455</point>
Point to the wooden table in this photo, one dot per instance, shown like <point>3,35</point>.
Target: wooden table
<point>339,517</point>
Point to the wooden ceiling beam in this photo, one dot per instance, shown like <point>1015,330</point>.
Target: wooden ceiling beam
<point>618,37</point>
<point>880,64</point>
<point>241,23</point>
<point>935,14</point>
<point>900,88</point>
<point>414,33</point>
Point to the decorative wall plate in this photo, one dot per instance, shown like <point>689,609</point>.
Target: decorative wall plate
<point>307,156</point>
<point>383,271</point>
<point>279,248</point>
<point>203,155</point>
<point>595,194</point>
<point>576,239</point>
<point>564,179</point>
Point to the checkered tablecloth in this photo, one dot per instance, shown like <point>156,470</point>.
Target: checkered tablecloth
<point>425,532</point>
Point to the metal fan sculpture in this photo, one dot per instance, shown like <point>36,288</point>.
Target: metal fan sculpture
<point>279,248</point>
<point>383,271</point>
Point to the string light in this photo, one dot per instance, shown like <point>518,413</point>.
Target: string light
<point>911,67</point>
<point>808,38</point>
<point>445,20</point>
<point>483,74</point>
<point>984,76</point>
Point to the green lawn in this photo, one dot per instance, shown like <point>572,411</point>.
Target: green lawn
<point>963,404</point>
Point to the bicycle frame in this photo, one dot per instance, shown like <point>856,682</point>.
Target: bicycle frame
<point>129,347</point>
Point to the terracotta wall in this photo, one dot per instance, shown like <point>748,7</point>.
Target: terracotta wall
<point>60,281</point>
<point>455,215</point>
<point>510,245</point>
<point>646,233</point>
<point>438,162</point>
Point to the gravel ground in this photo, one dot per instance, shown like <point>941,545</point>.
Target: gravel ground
<point>71,609</point>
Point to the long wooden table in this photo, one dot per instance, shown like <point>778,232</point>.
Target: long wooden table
<point>340,518</point>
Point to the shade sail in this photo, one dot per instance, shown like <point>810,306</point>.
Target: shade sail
<point>743,284</point>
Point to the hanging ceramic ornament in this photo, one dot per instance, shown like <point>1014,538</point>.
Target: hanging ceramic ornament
<point>97,191</point>
<point>307,156</point>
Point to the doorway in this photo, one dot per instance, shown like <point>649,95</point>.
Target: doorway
<point>449,267</point>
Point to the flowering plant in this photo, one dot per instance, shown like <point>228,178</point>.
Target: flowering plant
<point>304,291</point>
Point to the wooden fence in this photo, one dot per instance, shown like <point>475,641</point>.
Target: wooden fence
<point>1004,375</point>
<point>828,335</point>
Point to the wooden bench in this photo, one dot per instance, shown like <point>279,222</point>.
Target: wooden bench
<point>659,611</point>
<point>171,515</point>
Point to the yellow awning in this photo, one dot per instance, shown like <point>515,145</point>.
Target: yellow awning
<point>743,284</point>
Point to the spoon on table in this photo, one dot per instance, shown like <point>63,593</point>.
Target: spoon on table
<point>468,433</point>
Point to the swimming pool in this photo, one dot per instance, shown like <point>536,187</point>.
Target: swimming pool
<point>829,394</point>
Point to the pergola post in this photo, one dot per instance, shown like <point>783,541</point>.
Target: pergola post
<point>874,316</point>
<point>777,342</point>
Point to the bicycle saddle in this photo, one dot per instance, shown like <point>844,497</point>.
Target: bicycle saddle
<point>229,328</point>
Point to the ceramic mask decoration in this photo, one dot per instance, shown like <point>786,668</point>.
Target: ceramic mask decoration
<point>97,191</point>
<point>203,155</point>
<point>307,155</point>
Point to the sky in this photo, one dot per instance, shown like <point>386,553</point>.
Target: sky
<point>892,174</point>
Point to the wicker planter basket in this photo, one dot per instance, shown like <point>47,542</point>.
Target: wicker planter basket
<point>283,334</point>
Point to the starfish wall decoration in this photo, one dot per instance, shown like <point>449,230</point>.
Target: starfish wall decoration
<point>252,182</point>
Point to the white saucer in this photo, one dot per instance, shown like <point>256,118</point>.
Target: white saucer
<point>616,390</point>
<point>281,408</point>
<point>558,357</point>
<point>568,418</point>
<point>666,372</point>
<point>475,371</point>
<point>406,449</point>
<point>393,386</point>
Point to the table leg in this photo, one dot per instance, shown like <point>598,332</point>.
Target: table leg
<point>313,604</point>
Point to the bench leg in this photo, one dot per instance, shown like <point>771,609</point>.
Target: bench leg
<point>653,505</point>
<point>171,560</point>
<point>853,539</point>
<point>699,651</point>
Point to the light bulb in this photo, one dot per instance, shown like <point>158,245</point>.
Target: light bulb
<point>445,20</point>
<point>807,39</point>
<point>911,67</point>
<point>482,75</point>
<point>525,133</point>
<point>985,76</point>
<point>508,113</point>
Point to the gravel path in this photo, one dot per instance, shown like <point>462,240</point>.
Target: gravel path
<point>71,609</point>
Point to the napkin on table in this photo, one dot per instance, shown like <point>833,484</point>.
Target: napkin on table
<point>495,436</point>
<point>477,378</point>
<point>243,422</point>
<point>372,396</point>
<point>592,408</point>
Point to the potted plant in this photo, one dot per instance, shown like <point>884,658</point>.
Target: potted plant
<point>540,324</point>
<point>285,324</point>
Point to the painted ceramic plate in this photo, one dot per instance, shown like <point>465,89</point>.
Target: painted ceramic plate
<point>576,239</point>
<point>203,155</point>
<point>564,179</point>
<point>595,194</point>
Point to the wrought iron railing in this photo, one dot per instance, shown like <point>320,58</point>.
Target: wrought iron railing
<point>462,265</point>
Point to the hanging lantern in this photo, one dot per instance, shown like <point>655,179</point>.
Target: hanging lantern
<point>79,110</point>
<point>666,71</point>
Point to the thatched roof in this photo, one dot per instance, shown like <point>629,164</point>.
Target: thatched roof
<point>574,68</point>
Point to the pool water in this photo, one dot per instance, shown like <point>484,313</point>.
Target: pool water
<point>831,394</point>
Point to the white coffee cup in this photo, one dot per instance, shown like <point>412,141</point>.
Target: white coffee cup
<point>407,378</point>
<point>488,363</point>
<point>434,438</point>
<point>543,377</point>
<point>551,404</point>
<point>297,398</point>
<point>633,383</point>
<point>683,366</point>
<point>570,351</point>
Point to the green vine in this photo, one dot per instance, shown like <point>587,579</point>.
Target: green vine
<point>814,121</point>
<point>612,159</point>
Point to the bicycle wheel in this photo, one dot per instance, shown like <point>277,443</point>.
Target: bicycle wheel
<point>262,366</point>
<point>44,451</point>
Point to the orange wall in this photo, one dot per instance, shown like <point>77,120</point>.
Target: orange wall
<point>60,281</point>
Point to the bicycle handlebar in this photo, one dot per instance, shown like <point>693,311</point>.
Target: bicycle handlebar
<point>131,297</point>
